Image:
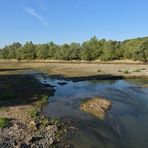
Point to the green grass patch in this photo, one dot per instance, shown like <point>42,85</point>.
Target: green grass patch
<point>33,113</point>
<point>99,70</point>
<point>137,70</point>
<point>44,99</point>
<point>3,122</point>
<point>126,72</point>
<point>143,68</point>
<point>44,122</point>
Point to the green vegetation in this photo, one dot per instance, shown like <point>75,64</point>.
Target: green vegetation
<point>33,113</point>
<point>126,72</point>
<point>143,68</point>
<point>93,49</point>
<point>43,122</point>
<point>99,70</point>
<point>137,70</point>
<point>3,122</point>
<point>44,99</point>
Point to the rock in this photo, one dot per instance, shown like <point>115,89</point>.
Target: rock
<point>23,135</point>
<point>32,123</point>
<point>97,107</point>
<point>51,128</point>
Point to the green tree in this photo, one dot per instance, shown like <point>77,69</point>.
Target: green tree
<point>27,52</point>
<point>42,51</point>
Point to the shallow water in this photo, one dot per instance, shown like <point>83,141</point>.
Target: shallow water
<point>126,124</point>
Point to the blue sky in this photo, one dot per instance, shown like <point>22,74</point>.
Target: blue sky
<point>71,20</point>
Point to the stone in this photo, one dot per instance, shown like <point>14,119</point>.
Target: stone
<point>97,107</point>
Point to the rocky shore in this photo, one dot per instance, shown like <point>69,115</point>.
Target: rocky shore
<point>39,133</point>
<point>21,99</point>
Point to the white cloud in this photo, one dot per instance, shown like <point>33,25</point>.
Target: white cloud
<point>35,14</point>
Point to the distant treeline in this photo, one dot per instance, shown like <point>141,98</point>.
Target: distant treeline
<point>93,49</point>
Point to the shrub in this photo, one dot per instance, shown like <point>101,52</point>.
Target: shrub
<point>126,72</point>
<point>3,122</point>
<point>44,122</point>
<point>143,68</point>
<point>33,113</point>
<point>137,70</point>
<point>99,70</point>
<point>44,98</point>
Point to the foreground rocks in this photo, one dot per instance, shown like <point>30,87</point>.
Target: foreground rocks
<point>37,134</point>
<point>97,107</point>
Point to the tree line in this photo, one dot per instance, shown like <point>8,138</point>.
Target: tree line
<point>93,49</point>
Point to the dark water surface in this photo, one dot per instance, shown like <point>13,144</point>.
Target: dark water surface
<point>126,124</point>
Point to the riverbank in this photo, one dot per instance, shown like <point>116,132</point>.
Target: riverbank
<point>80,71</point>
<point>21,122</point>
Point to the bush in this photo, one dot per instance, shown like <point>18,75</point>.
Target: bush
<point>44,98</point>
<point>33,113</point>
<point>143,68</point>
<point>137,70</point>
<point>3,122</point>
<point>99,70</point>
<point>126,72</point>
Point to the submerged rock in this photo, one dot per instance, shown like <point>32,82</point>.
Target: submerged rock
<point>145,85</point>
<point>97,107</point>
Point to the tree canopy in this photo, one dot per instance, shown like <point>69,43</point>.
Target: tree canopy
<point>93,49</point>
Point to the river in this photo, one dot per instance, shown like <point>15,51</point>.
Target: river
<point>126,124</point>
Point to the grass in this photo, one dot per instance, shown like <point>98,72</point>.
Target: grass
<point>33,113</point>
<point>143,68</point>
<point>137,70</point>
<point>44,99</point>
<point>55,121</point>
<point>44,122</point>
<point>3,122</point>
<point>126,72</point>
<point>99,70</point>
